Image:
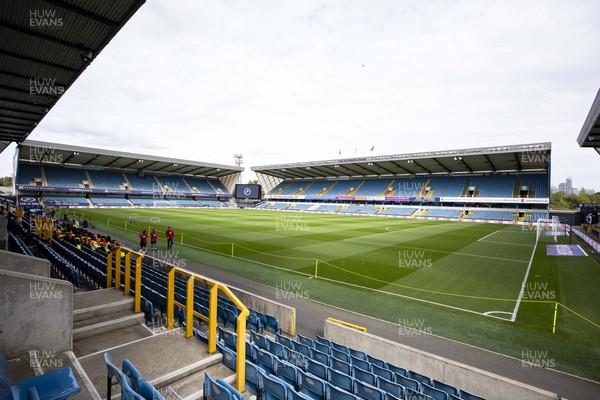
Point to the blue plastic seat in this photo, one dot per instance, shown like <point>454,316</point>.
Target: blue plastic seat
<point>317,369</point>
<point>313,386</point>
<point>120,379</point>
<point>340,347</point>
<point>266,361</point>
<point>382,372</point>
<point>294,395</point>
<point>321,357</point>
<point>253,378</point>
<point>214,391</point>
<point>229,357</point>
<point>55,385</point>
<point>408,383</point>
<point>364,376</point>
<point>305,340</point>
<point>302,349</point>
<point>229,338</point>
<point>235,395</point>
<point>273,388</point>
<point>278,349</point>
<point>323,340</point>
<point>397,370</point>
<point>289,373</point>
<point>377,361</point>
<point>341,380</point>
<point>357,362</point>
<point>390,387</point>
<point>435,394</point>
<point>148,392</point>
<point>287,342</point>
<point>251,352</point>
<point>340,355</point>
<point>419,377</point>
<point>259,340</point>
<point>336,393</point>
<point>358,354</point>
<point>341,366</point>
<point>322,347</point>
<point>368,392</point>
<point>135,378</point>
<point>451,390</point>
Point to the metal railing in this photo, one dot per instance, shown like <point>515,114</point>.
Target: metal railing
<point>188,307</point>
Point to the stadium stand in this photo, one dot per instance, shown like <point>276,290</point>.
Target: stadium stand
<point>173,184</point>
<point>65,201</point>
<point>401,211</point>
<point>107,179</point>
<point>64,177</point>
<point>374,187</point>
<point>494,185</point>
<point>317,188</point>
<point>149,202</point>
<point>110,201</point>
<point>148,182</point>
<point>201,185</point>
<point>27,173</point>
<point>491,215</point>
<point>443,213</point>
<point>538,183</point>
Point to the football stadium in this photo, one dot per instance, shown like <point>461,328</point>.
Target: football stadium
<point>424,275</point>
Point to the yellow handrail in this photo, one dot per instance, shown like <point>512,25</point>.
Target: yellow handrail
<point>212,316</point>
<point>190,313</point>
<point>358,327</point>
<point>137,305</point>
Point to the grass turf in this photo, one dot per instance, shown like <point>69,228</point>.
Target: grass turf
<point>457,280</point>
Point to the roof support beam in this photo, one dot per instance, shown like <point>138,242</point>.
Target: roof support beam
<point>39,35</point>
<point>87,14</point>
<point>27,103</point>
<point>20,111</point>
<point>441,165</point>
<point>38,61</point>
<point>17,124</point>
<point>489,160</point>
<point>25,77</point>
<point>383,168</point>
<point>9,117</point>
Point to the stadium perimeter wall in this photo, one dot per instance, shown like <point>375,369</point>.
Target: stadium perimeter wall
<point>473,380</point>
<point>286,315</point>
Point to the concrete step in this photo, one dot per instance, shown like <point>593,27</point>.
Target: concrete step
<point>161,359</point>
<point>108,340</point>
<point>93,298</point>
<point>105,323</point>
<point>191,386</point>
<point>123,305</point>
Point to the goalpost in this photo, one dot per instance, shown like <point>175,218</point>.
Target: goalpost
<point>549,228</point>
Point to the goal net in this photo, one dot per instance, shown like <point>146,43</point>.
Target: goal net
<point>549,229</point>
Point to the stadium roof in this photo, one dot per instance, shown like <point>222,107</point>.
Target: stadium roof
<point>36,152</point>
<point>514,158</point>
<point>590,132</point>
<point>45,46</point>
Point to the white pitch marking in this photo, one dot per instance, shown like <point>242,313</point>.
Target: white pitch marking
<point>486,236</point>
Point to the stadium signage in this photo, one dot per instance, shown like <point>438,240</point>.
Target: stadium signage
<point>113,191</point>
<point>503,200</point>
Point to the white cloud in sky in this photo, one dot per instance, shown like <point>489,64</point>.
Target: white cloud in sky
<point>298,81</point>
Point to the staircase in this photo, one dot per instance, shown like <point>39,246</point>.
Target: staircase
<point>104,321</point>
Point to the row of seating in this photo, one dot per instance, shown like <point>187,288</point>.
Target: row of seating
<point>285,368</point>
<point>62,266</point>
<point>56,176</point>
<point>447,186</point>
<point>17,243</point>
<point>133,385</point>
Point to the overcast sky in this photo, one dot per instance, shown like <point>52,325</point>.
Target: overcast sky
<point>285,81</point>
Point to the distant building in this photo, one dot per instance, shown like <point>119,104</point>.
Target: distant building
<point>569,186</point>
<point>562,187</point>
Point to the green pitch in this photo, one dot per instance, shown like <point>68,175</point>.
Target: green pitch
<point>465,281</point>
